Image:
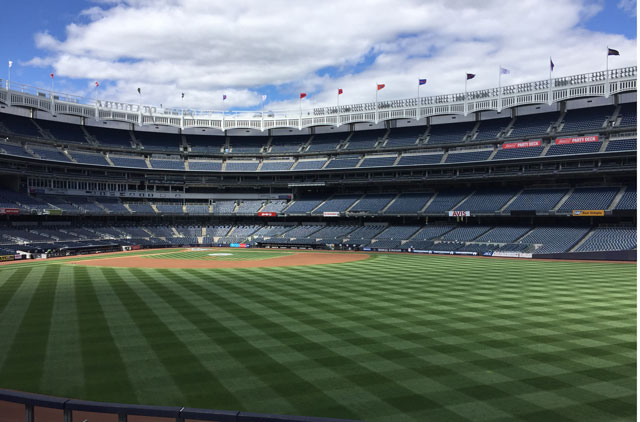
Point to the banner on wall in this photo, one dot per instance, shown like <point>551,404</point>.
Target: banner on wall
<point>525,144</point>
<point>9,211</point>
<point>587,213</point>
<point>331,214</point>
<point>267,214</point>
<point>459,213</point>
<point>577,140</point>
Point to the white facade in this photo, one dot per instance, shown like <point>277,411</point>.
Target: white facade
<point>550,91</point>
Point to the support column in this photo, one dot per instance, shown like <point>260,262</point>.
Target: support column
<point>28,413</point>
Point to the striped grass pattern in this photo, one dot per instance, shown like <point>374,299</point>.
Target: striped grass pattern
<point>391,338</point>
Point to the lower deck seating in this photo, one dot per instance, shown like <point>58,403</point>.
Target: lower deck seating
<point>589,199</point>
<point>438,237</point>
<point>610,239</point>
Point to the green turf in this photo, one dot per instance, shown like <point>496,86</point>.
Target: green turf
<point>214,254</point>
<point>391,338</point>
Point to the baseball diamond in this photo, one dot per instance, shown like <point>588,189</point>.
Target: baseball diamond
<point>386,337</point>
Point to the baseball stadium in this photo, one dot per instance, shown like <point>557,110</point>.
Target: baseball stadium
<point>468,256</point>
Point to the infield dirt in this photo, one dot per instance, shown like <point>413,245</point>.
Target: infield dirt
<point>294,259</point>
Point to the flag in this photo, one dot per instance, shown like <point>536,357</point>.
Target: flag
<point>422,81</point>
<point>380,86</point>
<point>183,95</point>
<point>139,91</point>
<point>612,52</point>
<point>97,84</point>
<point>10,64</point>
<point>264,98</point>
<point>52,76</point>
<point>470,76</point>
<point>224,97</point>
<point>302,95</point>
<point>339,91</point>
<point>504,71</point>
<point>551,65</point>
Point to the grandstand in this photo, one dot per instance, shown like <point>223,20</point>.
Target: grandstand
<point>515,176</point>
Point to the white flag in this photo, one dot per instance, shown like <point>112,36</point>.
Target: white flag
<point>264,97</point>
<point>10,64</point>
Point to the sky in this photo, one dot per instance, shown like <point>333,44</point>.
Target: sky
<point>245,49</point>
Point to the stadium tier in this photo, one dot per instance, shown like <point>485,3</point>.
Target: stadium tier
<point>530,179</point>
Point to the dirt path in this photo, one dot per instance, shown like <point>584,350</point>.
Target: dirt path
<point>295,259</point>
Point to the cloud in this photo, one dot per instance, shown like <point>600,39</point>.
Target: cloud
<point>206,48</point>
<point>629,6</point>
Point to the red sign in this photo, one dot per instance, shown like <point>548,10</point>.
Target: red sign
<point>525,144</point>
<point>9,211</point>
<point>331,214</point>
<point>578,140</point>
<point>267,214</point>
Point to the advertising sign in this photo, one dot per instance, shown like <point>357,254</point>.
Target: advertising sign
<point>331,214</point>
<point>526,144</point>
<point>459,213</point>
<point>577,140</point>
<point>266,214</point>
<point>588,213</point>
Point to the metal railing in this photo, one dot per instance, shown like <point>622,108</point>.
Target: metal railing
<point>68,407</point>
<point>549,91</point>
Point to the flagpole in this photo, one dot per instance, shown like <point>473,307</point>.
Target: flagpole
<point>300,122</point>
<point>338,110</point>
<point>9,79</point>
<point>466,79</point>
<point>499,88</point>
<point>53,105</point>
<point>550,87</point>
<point>140,106</point>
<point>96,95</point>
<point>606,87</point>
<point>418,101</point>
<point>377,103</point>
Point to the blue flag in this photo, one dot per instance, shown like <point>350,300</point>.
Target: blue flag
<point>422,81</point>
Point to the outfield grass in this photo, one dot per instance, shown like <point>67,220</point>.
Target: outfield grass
<point>392,338</point>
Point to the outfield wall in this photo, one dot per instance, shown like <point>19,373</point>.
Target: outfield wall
<point>631,255</point>
<point>20,407</point>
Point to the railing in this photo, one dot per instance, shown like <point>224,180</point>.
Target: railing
<point>22,407</point>
<point>549,91</point>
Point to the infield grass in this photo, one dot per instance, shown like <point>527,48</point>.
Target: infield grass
<point>391,338</point>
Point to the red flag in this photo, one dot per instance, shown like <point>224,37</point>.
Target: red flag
<point>97,84</point>
<point>380,86</point>
<point>52,76</point>
<point>339,91</point>
<point>302,95</point>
